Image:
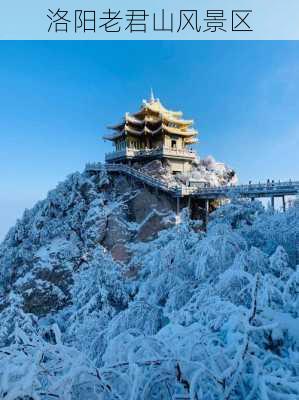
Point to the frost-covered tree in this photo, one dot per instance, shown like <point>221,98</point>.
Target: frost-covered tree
<point>188,315</point>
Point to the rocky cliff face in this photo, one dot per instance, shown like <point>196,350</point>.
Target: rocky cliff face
<point>102,297</point>
<point>53,239</point>
<point>91,209</point>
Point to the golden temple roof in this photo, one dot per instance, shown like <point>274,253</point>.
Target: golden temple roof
<point>152,112</point>
<point>156,106</point>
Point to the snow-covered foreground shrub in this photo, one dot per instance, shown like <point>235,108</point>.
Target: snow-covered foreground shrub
<point>198,316</point>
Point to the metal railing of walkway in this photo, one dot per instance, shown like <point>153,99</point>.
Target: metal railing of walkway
<point>269,189</point>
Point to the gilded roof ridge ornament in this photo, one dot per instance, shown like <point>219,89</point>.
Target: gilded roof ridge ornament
<point>152,98</point>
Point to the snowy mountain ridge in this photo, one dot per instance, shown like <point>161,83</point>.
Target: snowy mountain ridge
<point>104,297</point>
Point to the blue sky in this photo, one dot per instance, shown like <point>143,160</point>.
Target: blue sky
<point>58,97</point>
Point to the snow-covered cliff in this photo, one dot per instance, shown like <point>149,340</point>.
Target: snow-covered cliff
<point>206,171</point>
<point>103,297</point>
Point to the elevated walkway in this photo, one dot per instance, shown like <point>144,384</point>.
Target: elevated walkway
<point>252,191</point>
<point>175,191</point>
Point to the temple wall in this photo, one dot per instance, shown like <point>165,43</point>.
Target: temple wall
<point>179,141</point>
<point>179,165</point>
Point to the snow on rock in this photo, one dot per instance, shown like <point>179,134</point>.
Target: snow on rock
<point>154,223</point>
<point>206,171</point>
<point>103,297</point>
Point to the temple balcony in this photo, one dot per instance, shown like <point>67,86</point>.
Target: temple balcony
<point>130,153</point>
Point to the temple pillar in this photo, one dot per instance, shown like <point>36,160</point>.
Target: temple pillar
<point>147,143</point>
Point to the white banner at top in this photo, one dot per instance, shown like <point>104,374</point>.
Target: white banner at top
<point>154,20</point>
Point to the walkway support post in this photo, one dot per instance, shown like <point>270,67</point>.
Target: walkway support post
<point>177,210</point>
<point>272,202</point>
<point>189,206</point>
<point>177,206</point>
<point>206,214</point>
<point>283,203</point>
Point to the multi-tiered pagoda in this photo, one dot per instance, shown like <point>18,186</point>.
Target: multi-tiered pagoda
<point>154,133</point>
